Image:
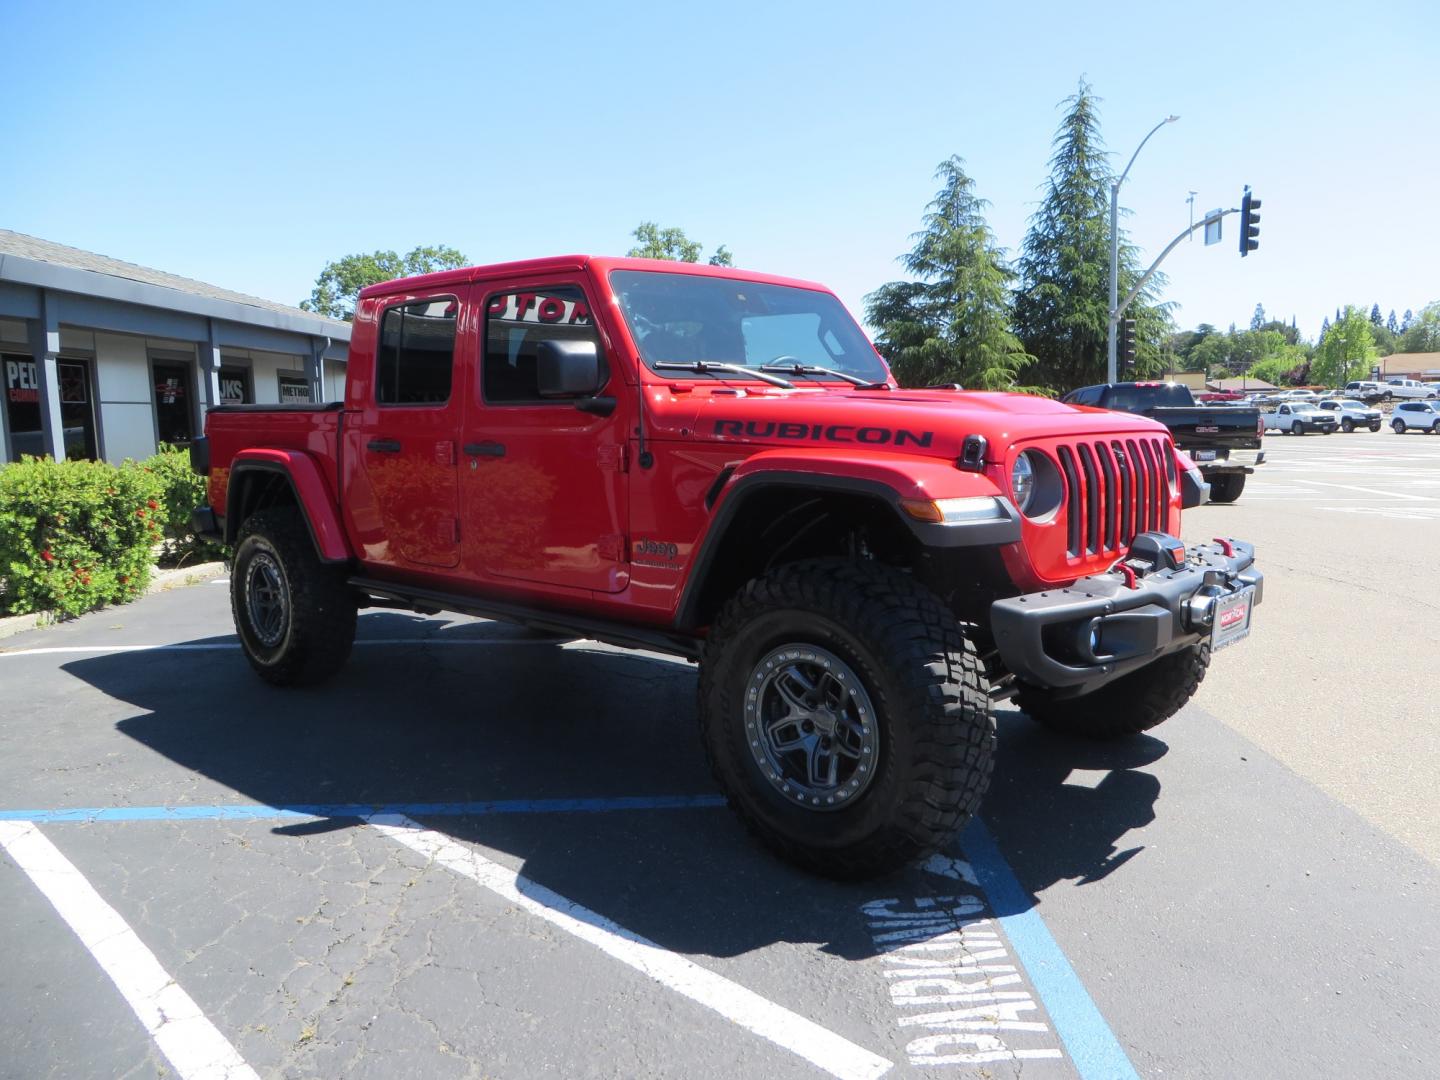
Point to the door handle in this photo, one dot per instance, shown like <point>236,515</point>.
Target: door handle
<point>484,449</point>
<point>384,446</point>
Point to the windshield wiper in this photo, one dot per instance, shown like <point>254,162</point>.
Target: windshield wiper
<point>704,366</point>
<point>815,369</point>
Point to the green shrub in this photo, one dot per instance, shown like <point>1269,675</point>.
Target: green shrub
<point>75,534</point>
<point>181,490</point>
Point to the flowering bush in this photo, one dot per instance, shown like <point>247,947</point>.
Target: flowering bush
<point>76,534</point>
<point>181,490</point>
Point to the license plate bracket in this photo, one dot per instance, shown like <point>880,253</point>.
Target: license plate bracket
<point>1233,614</point>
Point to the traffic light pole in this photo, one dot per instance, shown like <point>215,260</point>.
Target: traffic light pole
<point>1120,310</point>
<point>1115,247</point>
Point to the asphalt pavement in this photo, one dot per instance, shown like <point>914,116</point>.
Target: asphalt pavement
<point>476,854</point>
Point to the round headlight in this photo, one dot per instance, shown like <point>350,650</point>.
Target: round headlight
<point>1022,482</point>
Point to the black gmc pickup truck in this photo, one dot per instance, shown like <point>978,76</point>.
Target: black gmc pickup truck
<point>1223,440</point>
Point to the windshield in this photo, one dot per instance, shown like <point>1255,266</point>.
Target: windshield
<point>685,317</point>
<point>1306,409</point>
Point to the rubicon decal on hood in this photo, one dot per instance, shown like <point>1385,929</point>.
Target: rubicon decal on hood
<point>841,433</point>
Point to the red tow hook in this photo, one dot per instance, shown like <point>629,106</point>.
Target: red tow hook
<point>1128,574</point>
<point>1225,546</point>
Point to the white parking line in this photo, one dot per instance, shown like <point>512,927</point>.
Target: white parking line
<point>1367,491</point>
<point>188,1040</point>
<point>821,1047</point>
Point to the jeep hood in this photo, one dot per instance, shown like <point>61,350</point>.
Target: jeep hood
<point>925,422</point>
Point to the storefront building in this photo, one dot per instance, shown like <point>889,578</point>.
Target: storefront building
<point>105,359</point>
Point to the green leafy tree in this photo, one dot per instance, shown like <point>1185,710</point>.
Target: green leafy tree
<point>1423,333</point>
<point>653,242</point>
<point>1346,351</point>
<point>1277,370</point>
<point>1324,329</point>
<point>339,284</point>
<point>952,324</point>
<point>1062,308</point>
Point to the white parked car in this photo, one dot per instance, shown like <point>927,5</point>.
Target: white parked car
<point>1353,414</point>
<point>1293,396</point>
<point>1416,416</point>
<point>1300,419</point>
<point>1412,388</point>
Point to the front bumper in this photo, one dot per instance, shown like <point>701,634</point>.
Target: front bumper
<point>1077,639</point>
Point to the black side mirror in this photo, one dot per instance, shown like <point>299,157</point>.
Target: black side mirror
<point>567,369</point>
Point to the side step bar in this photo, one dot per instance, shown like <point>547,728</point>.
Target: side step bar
<point>430,601</point>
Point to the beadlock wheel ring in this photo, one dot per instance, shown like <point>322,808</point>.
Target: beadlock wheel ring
<point>811,727</point>
<point>267,600</point>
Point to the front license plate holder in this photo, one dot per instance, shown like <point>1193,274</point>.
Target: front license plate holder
<point>1232,618</point>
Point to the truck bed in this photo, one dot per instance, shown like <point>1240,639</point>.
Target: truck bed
<point>1215,428</point>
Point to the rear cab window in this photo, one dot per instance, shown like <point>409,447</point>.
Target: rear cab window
<point>415,352</point>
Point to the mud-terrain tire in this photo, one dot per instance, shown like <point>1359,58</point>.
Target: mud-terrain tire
<point>294,614</point>
<point>1131,704</point>
<point>888,652</point>
<point>1226,487</point>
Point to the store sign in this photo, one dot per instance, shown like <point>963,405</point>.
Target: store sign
<point>21,381</point>
<point>233,386</point>
<point>169,391</point>
<point>294,390</point>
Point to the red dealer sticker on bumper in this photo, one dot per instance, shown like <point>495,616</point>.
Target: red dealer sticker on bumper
<point>1232,618</point>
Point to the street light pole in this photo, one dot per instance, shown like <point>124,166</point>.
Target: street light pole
<point>1115,249</point>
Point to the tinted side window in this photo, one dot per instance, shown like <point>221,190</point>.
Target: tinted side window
<point>415,356</point>
<point>515,324</point>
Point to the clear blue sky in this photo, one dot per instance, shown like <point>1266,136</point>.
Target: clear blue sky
<point>248,144</point>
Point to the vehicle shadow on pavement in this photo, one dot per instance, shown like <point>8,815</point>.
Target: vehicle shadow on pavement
<point>516,718</point>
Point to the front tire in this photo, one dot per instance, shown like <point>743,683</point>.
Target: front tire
<point>1347,426</point>
<point>1226,487</point>
<point>845,716</point>
<point>1131,704</point>
<point>1398,426</point>
<point>294,614</point>
<point>1298,429</point>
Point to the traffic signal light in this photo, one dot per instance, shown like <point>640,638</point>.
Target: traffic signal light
<point>1249,224</point>
<point>1127,343</point>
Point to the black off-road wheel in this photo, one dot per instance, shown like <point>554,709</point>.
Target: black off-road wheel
<point>845,716</point>
<point>294,614</point>
<point>1131,704</point>
<point>1226,487</point>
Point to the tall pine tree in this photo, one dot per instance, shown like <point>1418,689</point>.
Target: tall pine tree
<point>1061,311</point>
<point>1375,319</point>
<point>951,324</point>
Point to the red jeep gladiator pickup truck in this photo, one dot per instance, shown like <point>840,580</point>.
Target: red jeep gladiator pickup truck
<point>717,464</point>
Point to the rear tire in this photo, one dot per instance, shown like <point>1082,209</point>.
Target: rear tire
<point>799,660</point>
<point>1131,704</point>
<point>294,614</point>
<point>1375,426</point>
<point>1226,487</point>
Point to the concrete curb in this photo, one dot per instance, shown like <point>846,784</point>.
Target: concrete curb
<point>160,581</point>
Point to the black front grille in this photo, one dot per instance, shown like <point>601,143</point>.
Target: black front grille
<point>1114,489</point>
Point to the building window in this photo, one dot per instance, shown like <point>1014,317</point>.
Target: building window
<point>515,324</point>
<point>415,357</point>
<point>174,411</point>
<point>22,407</point>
